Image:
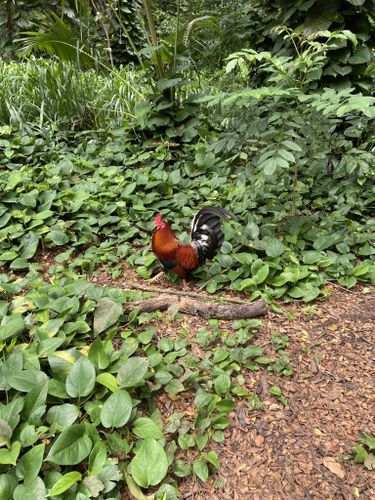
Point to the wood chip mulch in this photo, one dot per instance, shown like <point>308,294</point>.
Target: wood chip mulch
<point>297,451</point>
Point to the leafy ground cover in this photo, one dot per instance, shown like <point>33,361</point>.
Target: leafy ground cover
<point>97,202</point>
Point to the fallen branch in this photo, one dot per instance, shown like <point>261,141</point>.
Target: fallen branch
<point>206,310</point>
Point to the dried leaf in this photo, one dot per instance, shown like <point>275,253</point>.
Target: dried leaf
<point>336,468</point>
<point>369,462</point>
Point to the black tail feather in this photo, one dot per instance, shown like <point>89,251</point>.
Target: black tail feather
<point>206,232</point>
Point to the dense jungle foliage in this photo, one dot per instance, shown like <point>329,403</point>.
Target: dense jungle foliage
<point>113,111</point>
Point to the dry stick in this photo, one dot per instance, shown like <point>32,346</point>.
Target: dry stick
<point>200,308</point>
<point>171,291</point>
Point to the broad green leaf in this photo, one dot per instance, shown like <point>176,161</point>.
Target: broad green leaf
<point>64,483</point>
<point>25,380</point>
<point>273,247</point>
<point>108,380</point>
<point>98,458</point>
<point>64,415</point>
<point>174,387</point>
<point>261,274</point>
<point>106,314</point>
<point>29,245</point>
<point>222,384</point>
<point>58,237</point>
<point>269,166</point>
<point>98,356</point>
<point>361,270</point>
<point>348,281</point>
<point>8,483</point>
<point>9,255</point>
<point>35,490</point>
<point>146,428</point>
<point>200,469</point>
<point>132,372</point>
<point>29,465</point>
<point>71,447</point>
<point>35,403</point>
<point>10,456</point>
<point>28,436</point>
<point>13,327</point>
<point>150,464</point>
<point>81,379</point>
<point>116,410</point>
<point>213,459</point>
<point>326,241</point>
<point>225,406</point>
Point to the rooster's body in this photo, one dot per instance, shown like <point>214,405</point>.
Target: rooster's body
<point>206,240</point>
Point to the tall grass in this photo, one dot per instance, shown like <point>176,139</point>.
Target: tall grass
<point>57,94</point>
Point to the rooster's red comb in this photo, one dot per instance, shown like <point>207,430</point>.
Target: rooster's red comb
<point>159,221</point>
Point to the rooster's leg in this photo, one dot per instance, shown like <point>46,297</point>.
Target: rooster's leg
<point>156,277</point>
<point>185,285</point>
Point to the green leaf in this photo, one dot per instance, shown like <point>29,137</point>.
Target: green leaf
<point>9,255</point>
<point>132,372</point>
<point>98,356</point>
<point>116,410</point>
<point>25,380</point>
<point>261,274</point>
<point>64,483</point>
<point>35,490</point>
<point>150,464</point>
<point>10,456</point>
<point>269,166</point>
<point>13,327</point>
<point>58,237</point>
<point>30,463</point>
<point>361,55</point>
<point>64,415</point>
<point>35,403</point>
<point>8,483</point>
<point>186,441</point>
<point>273,247</point>
<point>147,428</point>
<point>222,384</point>
<point>200,469</point>
<point>368,440</point>
<point>98,458</point>
<point>108,380</point>
<point>174,387</point>
<point>81,378</point>
<point>71,447</point>
<point>213,459</point>
<point>348,281</point>
<point>106,314</point>
<point>29,245</point>
<point>326,241</point>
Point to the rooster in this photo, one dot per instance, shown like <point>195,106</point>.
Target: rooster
<point>206,240</point>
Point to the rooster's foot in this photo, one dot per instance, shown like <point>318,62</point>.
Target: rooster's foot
<point>156,278</point>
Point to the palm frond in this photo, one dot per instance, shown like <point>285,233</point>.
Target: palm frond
<point>55,37</point>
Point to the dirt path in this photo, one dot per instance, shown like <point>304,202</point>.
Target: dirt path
<point>283,452</point>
